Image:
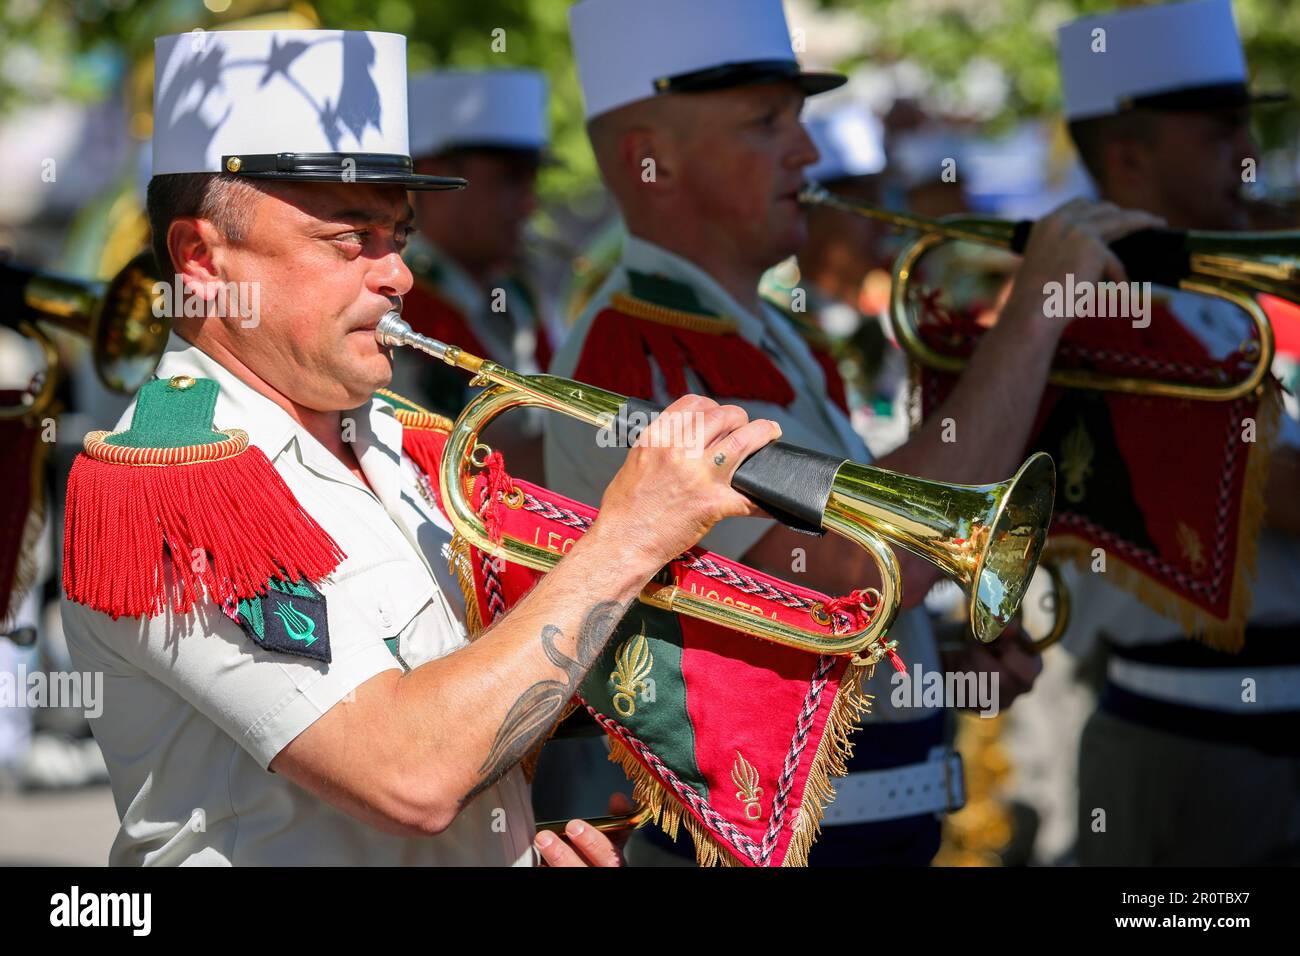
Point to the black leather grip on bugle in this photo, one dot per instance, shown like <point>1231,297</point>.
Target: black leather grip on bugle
<point>790,483</point>
<point>1152,255</point>
<point>13,298</point>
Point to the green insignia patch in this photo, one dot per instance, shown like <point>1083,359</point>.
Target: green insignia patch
<point>289,618</point>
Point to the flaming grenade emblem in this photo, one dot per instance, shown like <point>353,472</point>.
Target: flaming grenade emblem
<point>1076,462</point>
<point>745,777</point>
<point>1190,543</point>
<point>632,665</point>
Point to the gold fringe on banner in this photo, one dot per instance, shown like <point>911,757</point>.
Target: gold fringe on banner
<point>653,797</point>
<point>1221,634</point>
<point>460,563</point>
<point>830,760</point>
<point>833,753</point>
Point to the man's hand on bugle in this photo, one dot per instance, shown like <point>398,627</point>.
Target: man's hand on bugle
<point>584,845</point>
<point>453,727</point>
<point>676,483</point>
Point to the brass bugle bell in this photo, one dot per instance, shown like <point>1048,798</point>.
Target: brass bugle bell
<point>1233,266</point>
<point>117,317</point>
<point>988,537</point>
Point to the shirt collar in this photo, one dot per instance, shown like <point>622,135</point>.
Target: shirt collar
<point>641,255</point>
<point>239,405</point>
<point>378,447</point>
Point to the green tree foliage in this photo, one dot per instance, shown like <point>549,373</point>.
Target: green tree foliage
<point>1020,35</point>
<point>945,35</point>
<point>82,47</point>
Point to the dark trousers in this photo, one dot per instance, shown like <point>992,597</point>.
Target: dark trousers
<point>1154,797</point>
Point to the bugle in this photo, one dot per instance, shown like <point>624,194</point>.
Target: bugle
<point>117,317</point>
<point>1231,266</point>
<point>988,537</point>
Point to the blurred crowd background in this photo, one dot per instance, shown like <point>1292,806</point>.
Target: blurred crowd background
<point>972,80</point>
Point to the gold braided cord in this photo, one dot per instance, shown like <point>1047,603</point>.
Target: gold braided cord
<point>691,321</point>
<point>417,416</point>
<point>459,560</point>
<point>422,420</point>
<point>390,396</point>
<point>235,443</point>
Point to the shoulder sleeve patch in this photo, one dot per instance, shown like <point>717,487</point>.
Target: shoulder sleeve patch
<point>289,618</point>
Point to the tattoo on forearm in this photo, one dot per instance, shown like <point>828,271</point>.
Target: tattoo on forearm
<point>535,710</point>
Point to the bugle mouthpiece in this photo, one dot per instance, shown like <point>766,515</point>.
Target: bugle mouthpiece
<point>812,192</point>
<point>393,331</point>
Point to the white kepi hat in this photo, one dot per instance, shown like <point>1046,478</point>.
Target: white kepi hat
<point>1168,57</point>
<point>502,109</point>
<point>630,50</point>
<point>850,141</point>
<point>306,105</point>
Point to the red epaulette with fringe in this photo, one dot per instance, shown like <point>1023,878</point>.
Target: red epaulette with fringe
<point>171,510</point>
<point>625,336</point>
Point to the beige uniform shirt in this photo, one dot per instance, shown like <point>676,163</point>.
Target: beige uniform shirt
<point>578,467</point>
<point>194,710</point>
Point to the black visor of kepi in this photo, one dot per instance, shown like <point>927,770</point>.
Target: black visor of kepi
<point>755,71</point>
<point>375,168</point>
<point>1208,97</point>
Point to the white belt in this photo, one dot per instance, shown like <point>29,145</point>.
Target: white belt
<point>1220,688</point>
<point>870,796</point>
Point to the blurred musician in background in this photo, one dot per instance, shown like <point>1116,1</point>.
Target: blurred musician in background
<point>1193,756</point>
<point>865,372</point>
<point>491,128</point>
<point>693,111</point>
